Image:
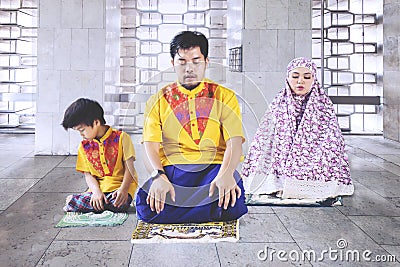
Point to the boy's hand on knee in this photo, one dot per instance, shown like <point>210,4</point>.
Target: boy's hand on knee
<point>120,197</point>
<point>97,201</point>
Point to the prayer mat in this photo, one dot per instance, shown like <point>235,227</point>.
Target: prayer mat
<point>211,232</point>
<point>270,200</point>
<point>106,218</point>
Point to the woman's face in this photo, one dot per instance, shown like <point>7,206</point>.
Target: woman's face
<point>300,80</point>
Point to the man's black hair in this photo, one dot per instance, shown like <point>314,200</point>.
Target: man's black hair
<point>83,111</point>
<point>189,39</point>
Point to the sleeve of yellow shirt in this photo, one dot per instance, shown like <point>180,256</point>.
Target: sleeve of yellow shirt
<point>152,123</point>
<point>231,118</point>
<point>127,147</point>
<point>81,161</point>
<point>128,150</point>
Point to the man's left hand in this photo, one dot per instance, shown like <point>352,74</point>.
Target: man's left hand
<point>228,190</point>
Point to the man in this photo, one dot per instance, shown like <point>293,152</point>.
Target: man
<point>193,140</point>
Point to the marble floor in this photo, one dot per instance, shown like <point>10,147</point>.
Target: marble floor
<point>363,232</point>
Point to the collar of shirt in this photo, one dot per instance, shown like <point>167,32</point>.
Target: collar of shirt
<point>194,91</point>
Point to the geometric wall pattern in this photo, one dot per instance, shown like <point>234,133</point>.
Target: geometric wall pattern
<point>18,38</point>
<point>147,27</point>
<point>347,46</point>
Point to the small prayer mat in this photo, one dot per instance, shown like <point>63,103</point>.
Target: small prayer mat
<point>211,232</point>
<point>106,218</point>
<point>268,200</point>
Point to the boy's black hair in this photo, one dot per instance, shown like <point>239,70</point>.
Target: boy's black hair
<point>189,39</point>
<point>83,111</point>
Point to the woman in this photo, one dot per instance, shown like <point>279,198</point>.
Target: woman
<point>298,151</point>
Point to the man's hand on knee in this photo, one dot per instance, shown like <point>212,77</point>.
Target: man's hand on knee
<point>158,192</point>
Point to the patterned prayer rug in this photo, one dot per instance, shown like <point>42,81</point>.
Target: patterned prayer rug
<point>106,218</point>
<point>268,200</point>
<point>211,232</point>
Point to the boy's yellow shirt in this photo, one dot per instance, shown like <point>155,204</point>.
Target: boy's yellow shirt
<point>104,159</point>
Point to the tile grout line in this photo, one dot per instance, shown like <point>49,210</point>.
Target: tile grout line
<point>294,240</point>
<point>379,245</point>
<point>216,249</point>
<point>44,252</point>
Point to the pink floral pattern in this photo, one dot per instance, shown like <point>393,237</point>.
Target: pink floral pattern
<point>299,137</point>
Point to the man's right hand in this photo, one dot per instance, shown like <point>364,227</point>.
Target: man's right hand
<point>158,192</point>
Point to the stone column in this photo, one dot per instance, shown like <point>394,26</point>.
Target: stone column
<point>78,51</point>
<point>391,70</point>
<point>272,33</point>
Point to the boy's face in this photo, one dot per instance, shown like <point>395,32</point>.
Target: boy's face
<point>88,132</point>
<point>190,66</point>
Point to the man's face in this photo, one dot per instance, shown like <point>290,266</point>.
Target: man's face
<point>190,66</point>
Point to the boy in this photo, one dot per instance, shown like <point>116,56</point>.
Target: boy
<point>105,156</point>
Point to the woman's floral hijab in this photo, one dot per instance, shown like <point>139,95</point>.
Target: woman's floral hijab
<point>299,137</point>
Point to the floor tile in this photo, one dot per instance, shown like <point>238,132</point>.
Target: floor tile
<point>388,166</point>
<point>69,161</point>
<point>311,222</point>
<point>386,162</point>
<point>357,163</point>
<point>374,145</point>
<point>10,156</point>
<point>36,167</point>
<point>87,253</point>
<point>259,209</point>
<point>320,229</point>
<point>359,152</point>
<point>21,142</point>
<point>262,228</point>
<point>384,230</point>
<point>384,183</point>
<point>174,254</point>
<point>259,254</point>
<point>12,189</point>
<point>395,201</point>
<point>63,180</point>
<point>395,159</point>
<point>27,228</point>
<point>366,202</point>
